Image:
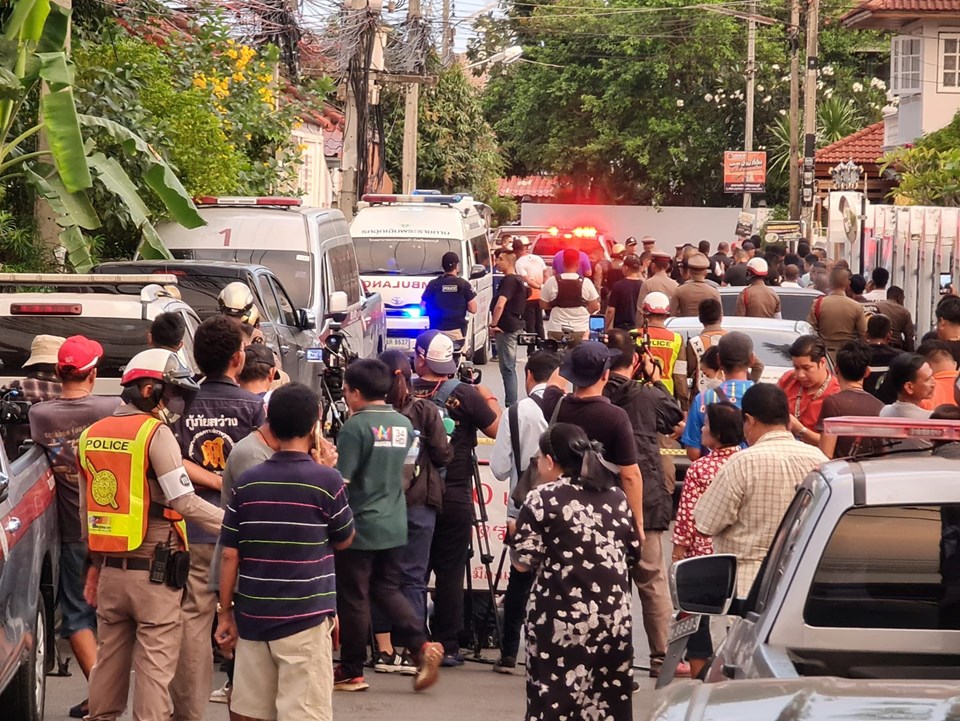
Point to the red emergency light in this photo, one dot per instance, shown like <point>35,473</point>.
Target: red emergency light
<point>238,201</point>
<point>894,428</point>
<point>46,309</point>
<point>585,232</point>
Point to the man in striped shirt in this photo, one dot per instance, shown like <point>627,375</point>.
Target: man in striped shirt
<point>285,518</point>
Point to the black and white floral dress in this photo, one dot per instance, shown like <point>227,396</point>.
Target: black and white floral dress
<point>579,640</point>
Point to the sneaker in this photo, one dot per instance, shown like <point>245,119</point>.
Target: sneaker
<point>431,655</point>
<point>505,665</point>
<point>452,660</point>
<point>80,710</point>
<point>394,663</point>
<point>343,683</point>
<point>221,695</point>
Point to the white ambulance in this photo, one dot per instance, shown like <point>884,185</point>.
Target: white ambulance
<point>400,241</point>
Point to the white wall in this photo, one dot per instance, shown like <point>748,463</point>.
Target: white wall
<point>314,175</point>
<point>671,226</point>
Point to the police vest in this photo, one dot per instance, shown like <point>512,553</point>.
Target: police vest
<point>114,457</point>
<point>569,293</point>
<point>666,346</point>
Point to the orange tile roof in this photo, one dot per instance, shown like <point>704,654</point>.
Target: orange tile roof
<point>536,186</point>
<point>864,146</point>
<point>911,6</point>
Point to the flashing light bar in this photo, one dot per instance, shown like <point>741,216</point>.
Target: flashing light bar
<point>585,232</point>
<point>406,311</point>
<point>380,199</point>
<point>873,427</point>
<point>85,279</point>
<point>426,192</point>
<point>240,201</point>
<point>553,230</point>
<point>46,309</point>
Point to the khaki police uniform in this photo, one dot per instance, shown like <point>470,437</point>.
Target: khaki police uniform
<point>758,300</point>
<point>137,494</point>
<point>686,299</point>
<point>837,319</point>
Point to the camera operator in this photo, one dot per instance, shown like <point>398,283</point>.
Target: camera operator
<point>652,410</point>
<point>448,298</point>
<point>133,454</point>
<point>472,408</point>
<point>570,299</point>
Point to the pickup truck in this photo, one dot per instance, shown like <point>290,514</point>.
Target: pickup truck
<point>29,557</point>
<point>862,579</point>
<point>289,331</point>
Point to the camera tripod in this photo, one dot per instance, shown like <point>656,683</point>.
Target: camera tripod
<point>480,541</point>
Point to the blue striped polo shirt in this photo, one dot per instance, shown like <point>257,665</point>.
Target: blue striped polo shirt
<point>282,517</point>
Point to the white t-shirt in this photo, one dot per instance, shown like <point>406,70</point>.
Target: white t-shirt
<point>875,295</point>
<point>531,267</point>
<point>576,318</point>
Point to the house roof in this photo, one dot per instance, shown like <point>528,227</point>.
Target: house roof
<point>536,186</point>
<point>891,14</point>
<point>863,147</point>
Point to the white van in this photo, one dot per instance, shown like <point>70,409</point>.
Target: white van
<point>400,241</point>
<point>308,249</point>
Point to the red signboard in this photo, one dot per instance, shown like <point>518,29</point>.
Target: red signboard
<point>744,172</point>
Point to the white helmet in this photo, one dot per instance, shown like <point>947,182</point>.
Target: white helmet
<point>176,386</point>
<point>236,300</point>
<point>656,303</point>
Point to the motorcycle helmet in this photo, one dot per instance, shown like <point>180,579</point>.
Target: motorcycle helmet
<point>176,386</point>
<point>236,300</point>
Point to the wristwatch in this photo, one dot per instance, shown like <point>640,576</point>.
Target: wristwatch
<point>221,609</point>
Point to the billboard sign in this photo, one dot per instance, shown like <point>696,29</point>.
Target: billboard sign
<point>744,172</point>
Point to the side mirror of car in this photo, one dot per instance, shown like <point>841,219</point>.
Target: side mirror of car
<point>306,319</point>
<point>4,487</point>
<point>477,271</point>
<point>706,584</point>
<point>337,306</point>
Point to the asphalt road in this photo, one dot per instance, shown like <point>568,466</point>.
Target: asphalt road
<point>470,693</point>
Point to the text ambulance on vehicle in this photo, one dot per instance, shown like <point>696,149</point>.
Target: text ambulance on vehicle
<point>400,241</point>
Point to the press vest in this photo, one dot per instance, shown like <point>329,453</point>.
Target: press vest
<point>569,293</point>
<point>114,457</point>
<point>666,346</point>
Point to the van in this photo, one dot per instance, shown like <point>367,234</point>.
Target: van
<point>308,249</point>
<point>400,241</point>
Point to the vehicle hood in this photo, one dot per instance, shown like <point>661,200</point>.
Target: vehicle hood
<point>397,290</point>
<point>808,699</point>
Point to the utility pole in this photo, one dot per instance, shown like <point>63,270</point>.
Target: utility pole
<point>411,111</point>
<point>447,42</point>
<point>751,89</point>
<point>794,40</point>
<point>359,63</point>
<point>810,115</point>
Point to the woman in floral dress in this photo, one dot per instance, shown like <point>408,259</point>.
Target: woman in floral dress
<point>578,533</point>
<point>723,435</point>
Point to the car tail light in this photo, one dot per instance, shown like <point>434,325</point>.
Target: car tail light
<point>46,309</point>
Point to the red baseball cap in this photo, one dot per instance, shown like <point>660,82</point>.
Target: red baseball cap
<point>79,353</point>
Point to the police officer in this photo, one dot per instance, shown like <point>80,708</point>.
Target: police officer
<point>686,301</point>
<point>665,345</point>
<point>236,300</point>
<point>137,495</point>
<point>448,298</point>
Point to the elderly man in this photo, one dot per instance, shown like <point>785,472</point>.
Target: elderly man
<point>743,506</point>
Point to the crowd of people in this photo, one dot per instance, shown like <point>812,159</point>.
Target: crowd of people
<point>210,498</point>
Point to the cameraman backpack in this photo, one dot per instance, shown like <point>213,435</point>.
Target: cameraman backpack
<point>440,398</point>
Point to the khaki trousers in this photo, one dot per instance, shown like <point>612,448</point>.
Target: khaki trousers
<point>190,688</point>
<point>656,606</point>
<point>138,628</point>
<point>290,679</point>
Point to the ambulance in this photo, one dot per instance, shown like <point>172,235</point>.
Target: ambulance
<point>400,241</point>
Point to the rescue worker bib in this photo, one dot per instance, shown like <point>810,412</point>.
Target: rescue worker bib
<point>113,455</point>
<point>666,346</point>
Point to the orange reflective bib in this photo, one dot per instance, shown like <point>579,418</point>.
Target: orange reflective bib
<point>665,345</point>
<point>113,455</point>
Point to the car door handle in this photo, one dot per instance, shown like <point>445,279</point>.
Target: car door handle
<point>284,349</point>
<point>729,670</point>
<point>13,525</point>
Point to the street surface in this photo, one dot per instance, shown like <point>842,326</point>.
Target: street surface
<point>472,692</point>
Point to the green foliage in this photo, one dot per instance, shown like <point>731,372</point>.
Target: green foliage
<point>836,118</point>
<point>928,176</point>
<point>505,210</point>
<point>457,149</point>
<point>947,138</point>
<point>638,99</point>
<point>20,250</point>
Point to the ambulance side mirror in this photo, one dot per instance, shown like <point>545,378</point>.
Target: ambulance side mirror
<point>477,271</point>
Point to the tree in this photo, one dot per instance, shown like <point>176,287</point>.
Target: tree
<point>32,52</point>
<point>457,149</point>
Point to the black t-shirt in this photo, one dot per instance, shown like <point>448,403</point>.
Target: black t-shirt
<point>623,299</point>
<point>514,290</point>
<point>880,357</point>
<point>736,274</point>
<point>446,299</point>
<point>719,262</point>
<point>470,413</point>
<point>600,420</point>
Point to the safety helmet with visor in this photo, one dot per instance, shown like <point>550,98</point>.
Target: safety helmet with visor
<point>236,300</point>
<point>173,383</point>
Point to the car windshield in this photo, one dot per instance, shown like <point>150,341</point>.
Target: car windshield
<point>547,246</point>
<point>403,256</point>
<point>121,338</point>
<point>292,268</point>
<point>772,348</point>
<point>793,306</point>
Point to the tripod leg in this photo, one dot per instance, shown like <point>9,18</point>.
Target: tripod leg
<point>480,527</point>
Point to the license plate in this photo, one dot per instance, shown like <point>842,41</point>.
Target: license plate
<point>683,627</point>
<point>400,343</point>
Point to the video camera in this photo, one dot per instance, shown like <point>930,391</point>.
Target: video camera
<point>14,407</point>
<point>336,355</point>
<point>548,344</point>
<point>466,371</point>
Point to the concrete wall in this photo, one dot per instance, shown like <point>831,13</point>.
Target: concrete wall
<point>670,226</point>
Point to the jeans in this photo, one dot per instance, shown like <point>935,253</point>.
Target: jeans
<point>507,358</point>
<point>448,561</point>
<point>414,560</point>
<point>360,576</point>
<point>515,610</point>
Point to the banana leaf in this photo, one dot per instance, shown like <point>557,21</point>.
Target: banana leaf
<point>159,176</point>
<point>59,114</point>
<point>115,179</point>
<point>72,211</point>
